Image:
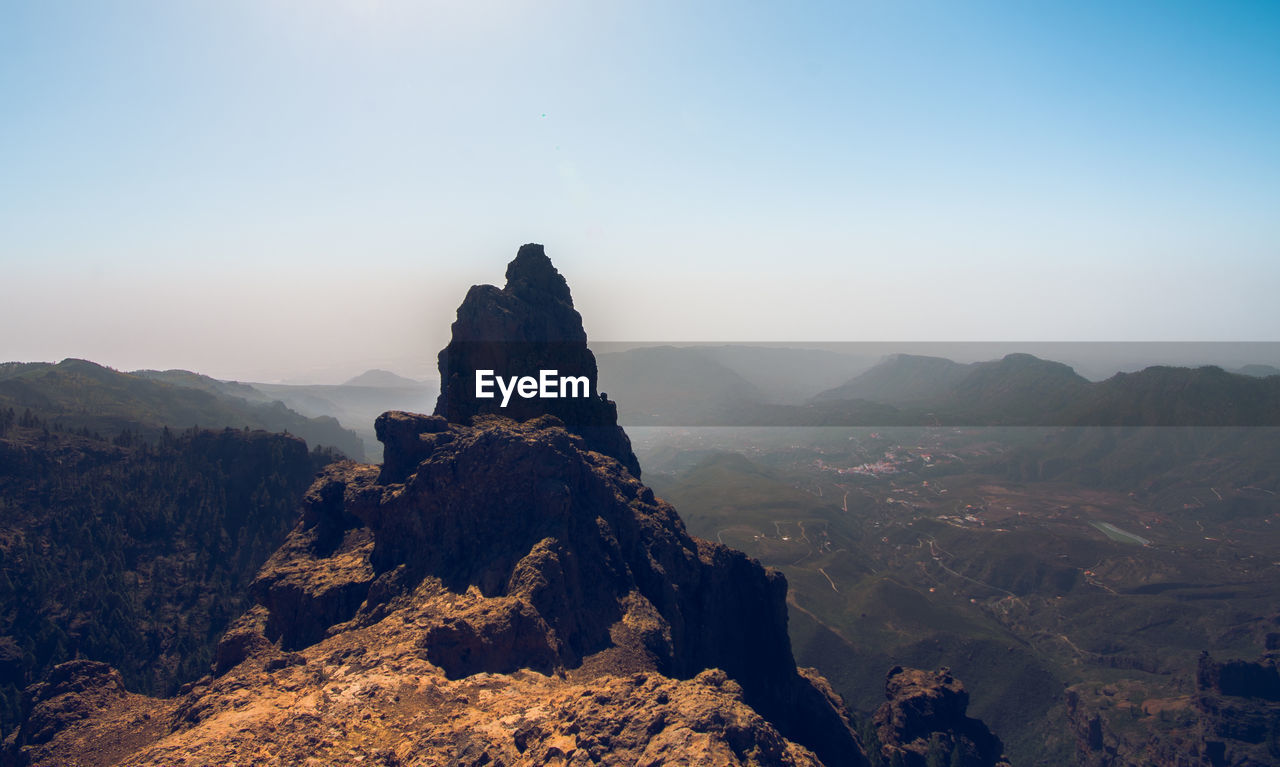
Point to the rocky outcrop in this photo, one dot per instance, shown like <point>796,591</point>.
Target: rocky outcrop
<point>72,691</point>
<point>1231,719</point>
<point>515,547</point>
<point>1238,708</point>
<point>81,714</point>
<point>526,327</point>
<point>924,722</point>
<point>514,599</point>
<point>500,591</point>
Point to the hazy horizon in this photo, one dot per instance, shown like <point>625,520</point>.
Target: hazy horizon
<point>285,191</point>
<point>1093,360</point>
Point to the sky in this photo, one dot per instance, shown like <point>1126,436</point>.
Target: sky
<point>298,190</point>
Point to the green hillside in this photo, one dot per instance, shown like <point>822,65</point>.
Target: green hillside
<point>77,394</point>
<point>132,552</point>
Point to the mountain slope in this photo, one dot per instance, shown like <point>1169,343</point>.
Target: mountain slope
<point>83,395</point>
<point>1018,389</point>
<point>673,385</point>
<point>355,407</point>
<point>132,553</point>
<point>382,378</point>
<point>1166,396</point>
<point>903,379</point>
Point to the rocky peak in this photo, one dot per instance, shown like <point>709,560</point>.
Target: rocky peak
<point>924,721</point>
<point>532,277</point>
<point>526,327</point>
<point>503,590</point>
<point>509,545</point>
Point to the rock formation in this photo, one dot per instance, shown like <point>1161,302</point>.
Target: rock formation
<point>1232,719</point>
<point>924,722</point>
<point>514,598</point>
<point>1238,703</point>
<point>501,591</point>
<point>528,326</point>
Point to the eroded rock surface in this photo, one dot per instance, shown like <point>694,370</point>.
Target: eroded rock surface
<point>514,599</point>
<point>925,718</point>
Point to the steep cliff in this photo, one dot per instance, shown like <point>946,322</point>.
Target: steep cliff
<point>1230,719</point>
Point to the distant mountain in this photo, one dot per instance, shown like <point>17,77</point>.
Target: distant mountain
<point>383,379</point>
<point>189,380</point>
<point>1015,390</point>
<point>1024,390</point>
<point>78,394</point>
<point>1258,371</point>
<point>1166,396</point>
<point>746,385</point>
<point>788,375</point>
<point>355,407</point>
<point>692,385</point>
<point>669,384</point>
<point>902,379</point>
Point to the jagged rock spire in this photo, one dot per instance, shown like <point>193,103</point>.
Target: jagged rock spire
<point>527,327</point>
<point>532,277</point>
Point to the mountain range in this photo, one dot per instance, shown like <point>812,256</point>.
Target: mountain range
<point>504,589</point>
<point>687,386</point>
<point>1024,390</point>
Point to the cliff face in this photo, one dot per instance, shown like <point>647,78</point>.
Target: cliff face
<point>924,722</point>
<point>1239,706</point>
<point>499,591</point>
<point>526,327</point>
<point>1232,719</point>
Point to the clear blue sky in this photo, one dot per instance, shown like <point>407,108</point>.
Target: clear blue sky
<point>293,188</point>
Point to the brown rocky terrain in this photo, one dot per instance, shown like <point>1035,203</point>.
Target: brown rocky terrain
<point>514,600</point>
<point>377,703</point>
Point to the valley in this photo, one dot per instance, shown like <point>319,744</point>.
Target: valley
<point>985,550</point>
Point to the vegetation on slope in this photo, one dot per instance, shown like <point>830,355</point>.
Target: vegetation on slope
<point>132,552</point>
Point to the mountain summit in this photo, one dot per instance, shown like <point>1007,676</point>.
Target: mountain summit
<point>500,591</point>
<point>525,328</point>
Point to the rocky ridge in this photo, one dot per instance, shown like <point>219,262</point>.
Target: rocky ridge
<point>516,599</point>
<point>499,591</point>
